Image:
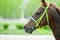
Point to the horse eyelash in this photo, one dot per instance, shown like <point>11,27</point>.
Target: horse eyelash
<point>37,13</point>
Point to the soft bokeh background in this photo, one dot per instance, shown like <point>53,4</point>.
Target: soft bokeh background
<point>14,14</point>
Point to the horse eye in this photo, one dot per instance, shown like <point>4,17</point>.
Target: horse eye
<point>37,13</point>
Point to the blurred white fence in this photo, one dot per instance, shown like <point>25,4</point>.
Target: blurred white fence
<point>11,22</point>
<point>26,37</point>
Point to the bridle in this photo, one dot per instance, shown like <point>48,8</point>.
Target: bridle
<point>41,17</point>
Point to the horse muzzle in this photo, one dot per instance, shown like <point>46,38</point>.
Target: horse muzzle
<point>29,29</point>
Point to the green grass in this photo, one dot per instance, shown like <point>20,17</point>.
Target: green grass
<point>22,32</point>
<point>11,31</point>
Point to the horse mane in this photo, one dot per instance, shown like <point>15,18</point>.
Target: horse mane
<point>56,14</point>
<point>45,4</point>
<point>57,9</point>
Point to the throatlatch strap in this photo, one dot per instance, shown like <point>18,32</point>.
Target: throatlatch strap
<point>47,19</point>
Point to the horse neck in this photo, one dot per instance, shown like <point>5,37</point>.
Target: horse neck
<point>55,25</point>
<point>56,30</point>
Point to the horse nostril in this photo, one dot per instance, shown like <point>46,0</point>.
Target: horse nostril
<point>30,27</point>
<point>24,27</point>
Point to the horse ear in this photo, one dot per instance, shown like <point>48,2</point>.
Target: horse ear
<point>43,2</point>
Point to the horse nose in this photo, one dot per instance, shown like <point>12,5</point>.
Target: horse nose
<point>24,27</point>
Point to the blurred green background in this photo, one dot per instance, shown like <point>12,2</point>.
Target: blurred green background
<point>15,13</point>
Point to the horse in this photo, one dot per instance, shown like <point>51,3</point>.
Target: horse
<point>47,13</point>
